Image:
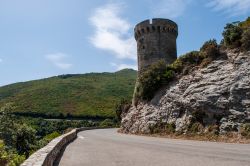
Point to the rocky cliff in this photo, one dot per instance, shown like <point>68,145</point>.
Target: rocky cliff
<point>218,94</point>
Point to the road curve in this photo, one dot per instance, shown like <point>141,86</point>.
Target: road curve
<point>106,147</point>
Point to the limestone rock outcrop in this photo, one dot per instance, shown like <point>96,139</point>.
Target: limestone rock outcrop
<point>221,91</point>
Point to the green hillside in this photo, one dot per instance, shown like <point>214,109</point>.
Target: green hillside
<point>92,95</point>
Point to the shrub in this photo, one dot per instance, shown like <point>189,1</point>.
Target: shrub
<point>43,142</point>
<point>10,158</point>
<point>51,136</point>
<point>192,57</point>
<point>3,155</point>
<point>245,24</point>
<point>197,116</point>
<point>167,128</point>
<point>237,35</point>
<point>213,129</point>
<point>107,123</point>
<point>176,66</point>
<point>210,49</point>
<point>152,79</point>
<point>206,62</point>
<point>246,40</point>
<point>16,135</point>
<point>185,62</point>
<point>122,107</point>
<point>170,128</point>
<point>15,159</point>
<point>245,131</point>
<point>195,128</point>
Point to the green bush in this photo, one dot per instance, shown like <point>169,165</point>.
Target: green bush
<point>186,62</point>
<point>43,142</point>
<point>176,66</point>
<point>3,155</point>
<point>152,79</point>
<point>232,35</point>
<point>15,159</point>
<point>25,139</point>
<point>51,136</point>
<point>237,35</point>
<point>10,158</point>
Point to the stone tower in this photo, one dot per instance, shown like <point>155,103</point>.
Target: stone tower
<point>156,40</point>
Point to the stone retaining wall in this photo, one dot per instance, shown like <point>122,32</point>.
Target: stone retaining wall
<point>48,154</point>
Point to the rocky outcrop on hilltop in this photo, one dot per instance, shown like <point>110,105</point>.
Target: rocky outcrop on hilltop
<point>218,94</point>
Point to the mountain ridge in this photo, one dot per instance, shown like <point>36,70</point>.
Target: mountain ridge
<point>70,95</point>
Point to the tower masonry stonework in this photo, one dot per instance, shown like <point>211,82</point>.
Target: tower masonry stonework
<point>156,40</point>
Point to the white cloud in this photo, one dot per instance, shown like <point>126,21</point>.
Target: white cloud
<point>169,8</point>
<point>123,66</point>
<point>231,7</point>
<point>112,32</point>
<point>58,59</point>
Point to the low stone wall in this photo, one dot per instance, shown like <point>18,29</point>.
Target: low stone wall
<point>48,154</point>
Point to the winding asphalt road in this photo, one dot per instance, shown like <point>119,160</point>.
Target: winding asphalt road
<point>106,147</point>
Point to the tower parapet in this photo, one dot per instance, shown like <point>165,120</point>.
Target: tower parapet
<point>156,40</point>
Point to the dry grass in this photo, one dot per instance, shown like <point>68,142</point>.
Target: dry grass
<point>232,137</point>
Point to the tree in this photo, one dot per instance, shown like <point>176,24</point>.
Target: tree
<point>245,24</point>
<point>25,139</point>
<point>232,35</point>
<point>15,134</point>
<point>7,125</point>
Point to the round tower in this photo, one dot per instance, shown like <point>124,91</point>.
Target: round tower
<point>156,40</point>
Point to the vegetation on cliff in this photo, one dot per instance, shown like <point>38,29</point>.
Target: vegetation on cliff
<point>235,36</point>
<point>159,74</point>
<point>202,95</point>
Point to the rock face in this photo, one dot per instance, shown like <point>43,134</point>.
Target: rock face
<point>220,91</point>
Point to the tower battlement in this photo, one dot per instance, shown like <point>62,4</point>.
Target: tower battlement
<point>156,40</point>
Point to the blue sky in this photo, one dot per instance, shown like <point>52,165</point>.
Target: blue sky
<point>43,38</point>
